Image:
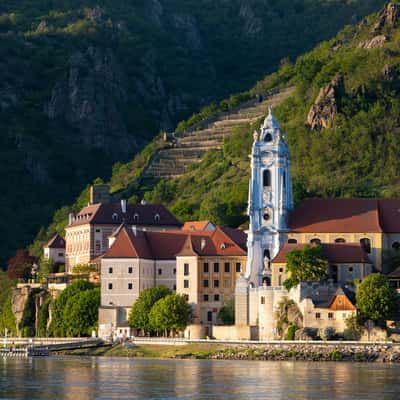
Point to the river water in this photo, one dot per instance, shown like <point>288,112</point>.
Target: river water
<point>119,378</point>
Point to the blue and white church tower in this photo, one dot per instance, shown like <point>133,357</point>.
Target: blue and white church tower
<point>270,199</point>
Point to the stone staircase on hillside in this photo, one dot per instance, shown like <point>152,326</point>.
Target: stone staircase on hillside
<point>190,148</point>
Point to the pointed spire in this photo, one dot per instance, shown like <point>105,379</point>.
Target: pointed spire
<point>270,122</point>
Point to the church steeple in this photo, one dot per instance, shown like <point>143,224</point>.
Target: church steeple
<point>270,198</point>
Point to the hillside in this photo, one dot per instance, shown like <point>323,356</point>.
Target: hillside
<point>87,83</point>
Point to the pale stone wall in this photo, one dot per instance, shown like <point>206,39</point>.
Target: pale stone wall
<point>57,255</point>
<point>165,273</point>
<point>232,332</point>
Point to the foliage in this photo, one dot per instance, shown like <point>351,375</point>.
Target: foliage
<point>390,260</point>
<point>7,318</point>
<point>326,333</point>
<point>57,326</point>
<point>307,264</point>
<point>27,323</point>
<point>43,318</point>
<point>375,298</point>
<point>170,314</point>
<point>291,332</point>
<point>84,269</point>
<point>20,266</point>
<point>80,314</point>
<point>139,316</point>
<point>287,314</point>
<point>47,267</point>
<point>227,312</point>
<point>353,330</point>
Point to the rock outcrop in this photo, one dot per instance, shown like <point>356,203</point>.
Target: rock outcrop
<point>388,17</point>
<point>325,108</point>
<point>89,99</point>
<point>19,297</point>
<point>374,43</point>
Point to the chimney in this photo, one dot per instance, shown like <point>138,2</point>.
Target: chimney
<point>134,230</point>
<point>123,206</point>
<point>203,243</point>
<point>71,218</point>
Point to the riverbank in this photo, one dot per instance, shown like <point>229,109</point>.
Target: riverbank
<point>283,352</point>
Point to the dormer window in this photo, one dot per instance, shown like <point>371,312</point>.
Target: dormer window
<point>136,217</point>
<point>223,246</point>
<point>157,217</point>
<point>268,138</point>
<point>115,217</point>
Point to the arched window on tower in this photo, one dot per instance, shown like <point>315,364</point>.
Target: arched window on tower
<point>268,138</point>
<point>267,178</point>
<point>366,245</point>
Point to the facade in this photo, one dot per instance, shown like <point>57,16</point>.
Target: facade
<point>55,250</point>
<point>87,232</point>
<point>137,260</point>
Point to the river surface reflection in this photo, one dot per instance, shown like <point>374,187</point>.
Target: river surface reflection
<point>85,378</point>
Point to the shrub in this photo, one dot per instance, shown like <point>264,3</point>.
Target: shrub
<point>326,333</point>
<point>291,332</point>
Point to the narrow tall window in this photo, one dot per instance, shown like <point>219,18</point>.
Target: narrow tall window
<point>205,268</point>
<point>227,267</point>
<point>186,284</point>
<point>216,267</point>
<point>238,267</point>
<point>366,245</point>
<point>186,269</point>
<point>267,178</point>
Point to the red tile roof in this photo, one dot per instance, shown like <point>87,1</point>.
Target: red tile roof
<point>136,214</point>
<point>336,253</point>
<point>344,216</point>
<point>56,242</point>
<point>196,225</point>
<point>169,244</point>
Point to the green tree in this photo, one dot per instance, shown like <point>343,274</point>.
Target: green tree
<point>43,318</point>
<point>307,264</point>
<point>227,312</point>
<point>375,298</point>
<point>57,327</point>
<point>139,314</point>
<point>7,318</point>
<point>170,314</point>
<point>80,314</point>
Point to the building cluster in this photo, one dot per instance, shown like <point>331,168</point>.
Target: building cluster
<point>135,247</point>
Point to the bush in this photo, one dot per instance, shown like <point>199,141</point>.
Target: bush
<point>353,329</point>
<point>326,333</point>
<point>291,332</point>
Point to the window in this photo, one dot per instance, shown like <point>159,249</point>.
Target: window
<point>205,297</point>
<point>209,316</point>
<point>317,315</point>
<point>60,254</point>
<point>216,297</point>
<point>216,267</point>
<point>115,217</point>
<point>315,241</point>
<point>157,217</point>
<point>262,300</point>
<point>267,178</point>
<point>186,284</point>
<point>266,216</point>
<point>216,283</point>
<point>340,240</point>
<point>238,267</point>
<point>205,268</point>
<point>396,246</point>
<point>350,269</point>
<point>98,245</point>
<point>280,269</point>
<point>136,217</point>
<point>130,286</point>
<point>110,270</point>
<point>227,267</point>
<point>130,270</point>
<point>110,286</point>
<point>227,283</point>
<point>186,297</point>
<point>330,315</point>
<point>268,137</point>
<point>159,271</point>
<point>185,269</point>
<point>97,230</point>
<point>174,288</point>
<point>292,241</point>
<point>205,283</point>
<point>174,271</point>
<point>366,244</point>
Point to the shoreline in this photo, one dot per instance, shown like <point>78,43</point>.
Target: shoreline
<point>385,353</point>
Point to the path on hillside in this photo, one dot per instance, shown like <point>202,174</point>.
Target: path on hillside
<point>173,161</point>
